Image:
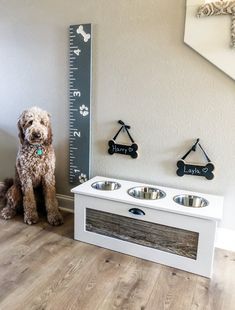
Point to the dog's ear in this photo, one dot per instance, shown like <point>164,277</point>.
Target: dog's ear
<point>21,133</point>
<point>49,136</point>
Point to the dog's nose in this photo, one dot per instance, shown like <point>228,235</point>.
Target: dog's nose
<point>37,135</point>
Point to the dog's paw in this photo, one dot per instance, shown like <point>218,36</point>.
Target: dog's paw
<point>8,213</point>
<point>55,219</point>
<point>31,219</point>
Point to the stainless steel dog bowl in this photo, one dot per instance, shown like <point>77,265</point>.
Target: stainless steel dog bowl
<point>144,192</point>
<point>106,185</point>
<point>191,201</point>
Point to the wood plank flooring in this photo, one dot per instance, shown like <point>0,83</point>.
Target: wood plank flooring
<point>42,267</point>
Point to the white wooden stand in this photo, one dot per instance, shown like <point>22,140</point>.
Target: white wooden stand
<point>163,212</point>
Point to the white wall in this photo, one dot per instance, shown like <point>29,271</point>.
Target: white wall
<point>142,74</point>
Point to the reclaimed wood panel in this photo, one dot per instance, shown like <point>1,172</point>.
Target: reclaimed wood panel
<point>161,237</point>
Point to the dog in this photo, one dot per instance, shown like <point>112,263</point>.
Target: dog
<point>35,166</point>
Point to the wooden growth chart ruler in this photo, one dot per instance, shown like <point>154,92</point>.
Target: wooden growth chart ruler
<point>80,44</point>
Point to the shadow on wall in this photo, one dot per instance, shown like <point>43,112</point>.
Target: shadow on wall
<point>8,151</point>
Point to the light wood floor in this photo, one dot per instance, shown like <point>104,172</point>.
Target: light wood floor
<point>42,267</point>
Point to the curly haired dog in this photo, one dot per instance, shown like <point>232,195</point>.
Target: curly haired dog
<point>35,165</point>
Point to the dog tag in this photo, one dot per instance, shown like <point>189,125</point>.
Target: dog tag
<point>39,151</point>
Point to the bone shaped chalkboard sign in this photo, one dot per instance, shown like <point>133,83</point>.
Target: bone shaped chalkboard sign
<point>124,149</point>
<point>191,169</point>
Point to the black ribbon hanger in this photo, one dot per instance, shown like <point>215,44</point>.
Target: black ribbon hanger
<point>122,148</point>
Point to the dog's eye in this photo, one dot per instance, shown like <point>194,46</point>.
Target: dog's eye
<point>29,123</point>
<point>42,122</point>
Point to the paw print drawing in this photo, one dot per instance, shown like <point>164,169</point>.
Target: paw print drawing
<point>82,178</point>
<point>84,110</point>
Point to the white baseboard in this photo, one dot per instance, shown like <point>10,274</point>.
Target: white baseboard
<point>66,202</point>
<point>225,239</point>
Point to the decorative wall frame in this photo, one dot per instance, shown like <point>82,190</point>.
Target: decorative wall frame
<point>211,34</point>
<point>220,7</point>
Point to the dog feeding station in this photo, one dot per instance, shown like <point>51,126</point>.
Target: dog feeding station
<point>169,226</point>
